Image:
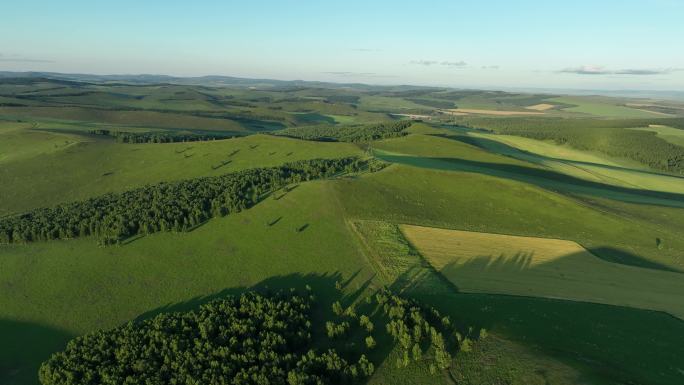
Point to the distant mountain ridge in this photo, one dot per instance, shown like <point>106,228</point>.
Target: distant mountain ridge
<point>209,80</point>
<point>224,81</point>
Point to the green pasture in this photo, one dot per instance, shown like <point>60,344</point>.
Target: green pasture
<point>93,167</point>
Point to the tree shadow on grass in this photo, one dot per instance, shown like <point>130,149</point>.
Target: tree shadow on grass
<point>547,179</point>
<point>613,255</point>
<point>507,150</point>
<point>616,343</point>
<point>23,347</point>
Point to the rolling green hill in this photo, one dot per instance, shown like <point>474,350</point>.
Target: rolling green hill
<point>346,236</point>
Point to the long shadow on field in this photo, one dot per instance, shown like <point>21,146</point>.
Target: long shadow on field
<point>23,346</point>
<point>550,180</point>
<point>579,276</point>
<point>560,306</point>
<point>611,254</point>
<point>504,149</point>
<point>619,345</point>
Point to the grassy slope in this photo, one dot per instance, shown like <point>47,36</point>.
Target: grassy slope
<point>18,143</point>
<point>672,135</point>
<point>603,107</point>
<point>581,342</point>
<point>540,267</point>
<point>135,118</point>
<point>235,251</point>
<point>493,360</point>
<point>582,164</point>
<point>72,287</point>
<point>470,201</point>
<point>96,167</point>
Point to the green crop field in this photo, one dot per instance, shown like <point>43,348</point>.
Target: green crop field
<point>378,227</point>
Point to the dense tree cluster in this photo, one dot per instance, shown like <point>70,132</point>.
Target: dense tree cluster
<point>606,136</point>
<point>158,137</point>
<point>414,326</point>
<point>255,339</point>
<point>168,206</point>
<point>418,330</point>
<point>250,339</point>
<point>350,99</point>
<point>354,133</point>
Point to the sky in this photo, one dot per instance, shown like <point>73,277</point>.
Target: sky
<point>579,44</point>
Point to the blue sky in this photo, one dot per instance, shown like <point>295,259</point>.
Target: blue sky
<point>606,44</point>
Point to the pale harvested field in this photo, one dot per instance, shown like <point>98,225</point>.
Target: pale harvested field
<point>453,112</point>
<point>540,267</point>
<point>541,107</point>
<point>492,112</point>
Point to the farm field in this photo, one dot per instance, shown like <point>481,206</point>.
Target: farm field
<point>456,199</point>
<point>619,338</point>
<point>542,267</point>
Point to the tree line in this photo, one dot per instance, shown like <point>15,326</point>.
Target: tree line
<point>169,206</point>
<point>250,339</point>
<point>159,137</point>
<point>611,137</point>
<point>352,133</point>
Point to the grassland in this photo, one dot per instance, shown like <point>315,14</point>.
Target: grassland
<point>542,267</point>
<point>475,202</point>
<point>18,142</point>
<point>581,342</point>
<point>75,286</point>
<point>93,166</point>
<point>585,165</point>
<point>603,107</point>
<point>625,216</point>
<point>670,134</point>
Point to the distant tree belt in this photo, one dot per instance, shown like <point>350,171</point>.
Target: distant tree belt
<point>250,339</point>
<point>158,137</point>
<point>169,206</point>
<point>212,114</point>
<point>355,133</point>
<point>606,136</point>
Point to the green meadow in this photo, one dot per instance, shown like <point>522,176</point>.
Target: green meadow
<point>545,317</point>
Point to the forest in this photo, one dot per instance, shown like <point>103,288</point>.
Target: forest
<point>258,338</point>
<point>168,206</point>
<point>250,339</point>
<point>606,136</point>
<point>158,137</point>
<point>354,133</point>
